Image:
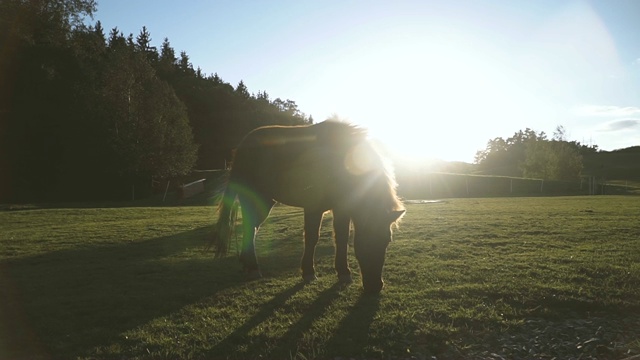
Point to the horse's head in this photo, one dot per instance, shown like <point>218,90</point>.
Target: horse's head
<point>372,236</point>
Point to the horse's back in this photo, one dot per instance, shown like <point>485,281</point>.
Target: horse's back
<point>299,165</point>
<point>321,134</point>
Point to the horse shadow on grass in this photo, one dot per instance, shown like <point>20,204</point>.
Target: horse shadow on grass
<point>350,338</point>
<point>66,303</point>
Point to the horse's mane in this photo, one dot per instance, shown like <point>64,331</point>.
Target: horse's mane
<point>341,133</point>
<point>388,195</point>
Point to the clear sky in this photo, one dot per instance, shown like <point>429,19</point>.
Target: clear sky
<point>429,78</point>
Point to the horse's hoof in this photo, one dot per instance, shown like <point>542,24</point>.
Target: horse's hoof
<point>345,279</point>
<point>309,278</point>
<point>254,275</point>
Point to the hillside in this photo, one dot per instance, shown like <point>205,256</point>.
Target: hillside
<point>622,164</point>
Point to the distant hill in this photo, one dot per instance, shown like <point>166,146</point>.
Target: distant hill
<point>617,172</point>
<point>622,164</point>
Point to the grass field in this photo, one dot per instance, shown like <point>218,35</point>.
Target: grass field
<point>465,278</point>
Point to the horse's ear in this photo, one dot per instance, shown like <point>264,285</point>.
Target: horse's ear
<point>395,215</point>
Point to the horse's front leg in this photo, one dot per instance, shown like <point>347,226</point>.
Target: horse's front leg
<point>312,221</point>
<point>341,224</point>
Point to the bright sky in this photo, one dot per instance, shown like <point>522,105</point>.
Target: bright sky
<point>429,78</point>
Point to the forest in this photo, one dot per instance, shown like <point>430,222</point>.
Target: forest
<point>86,113</point>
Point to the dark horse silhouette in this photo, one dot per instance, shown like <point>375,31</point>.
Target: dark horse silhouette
<point>326,166</point>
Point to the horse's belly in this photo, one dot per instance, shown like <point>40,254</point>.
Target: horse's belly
<point>305,200</point>
<point>305,189</point>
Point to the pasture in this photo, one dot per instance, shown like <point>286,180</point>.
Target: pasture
<point>465,278</point>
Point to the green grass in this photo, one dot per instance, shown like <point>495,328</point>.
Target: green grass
<point>515,277</point>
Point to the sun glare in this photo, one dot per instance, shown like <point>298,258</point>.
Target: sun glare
<point>430,101</point>
<point>438,92</point>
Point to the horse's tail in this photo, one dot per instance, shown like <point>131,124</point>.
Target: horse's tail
<point>227,213</point>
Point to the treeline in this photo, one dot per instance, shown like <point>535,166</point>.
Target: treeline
<point>531,154</point>
<point>87,114</point>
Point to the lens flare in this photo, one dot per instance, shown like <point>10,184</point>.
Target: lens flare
<point>247,195</point>
<point>361,159</point>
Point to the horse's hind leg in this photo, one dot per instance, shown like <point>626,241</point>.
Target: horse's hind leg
<point>312,221</point>
<point>254,212</point>
<point>341,223</point>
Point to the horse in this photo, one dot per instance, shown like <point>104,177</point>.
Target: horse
<point>328,166</point>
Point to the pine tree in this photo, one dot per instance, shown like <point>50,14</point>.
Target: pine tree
<point>143,45</point>
<point>242,90</point>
